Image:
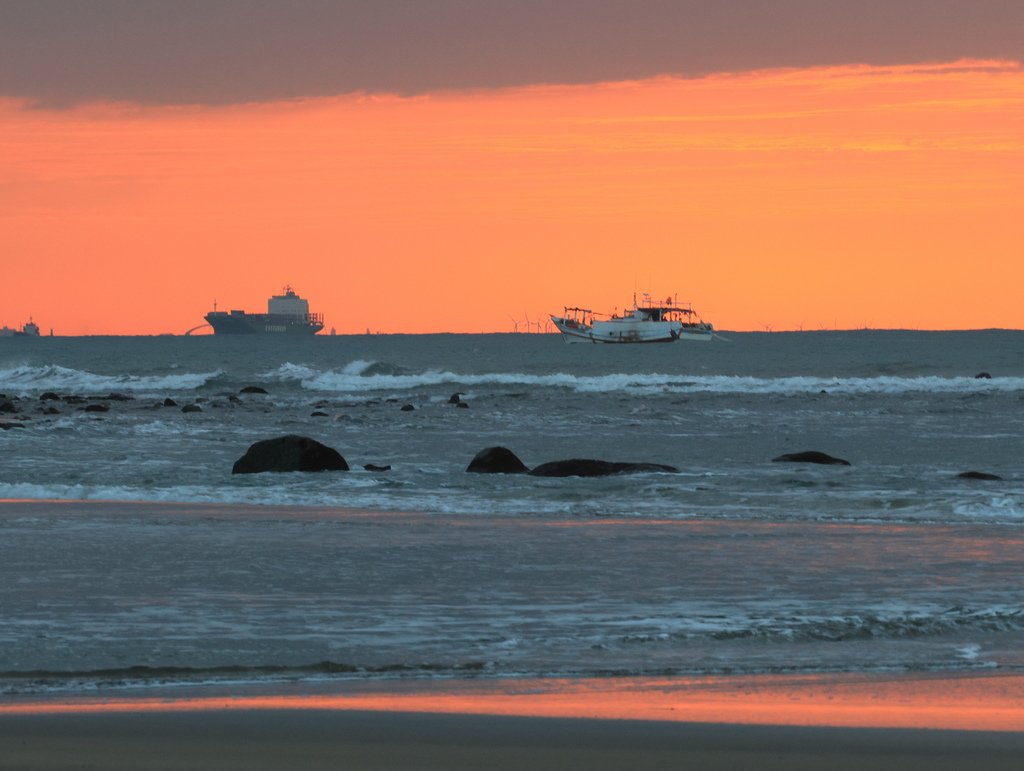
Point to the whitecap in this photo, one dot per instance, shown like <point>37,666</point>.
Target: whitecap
<point>25,379</point>
<point>361,376</point>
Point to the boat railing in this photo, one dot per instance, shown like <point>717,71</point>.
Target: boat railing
<point>670,304</point>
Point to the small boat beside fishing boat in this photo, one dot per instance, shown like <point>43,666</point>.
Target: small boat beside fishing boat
<point>646,322</point>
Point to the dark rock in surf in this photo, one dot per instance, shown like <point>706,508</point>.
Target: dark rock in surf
<point>169,402</point>
<point>72,399</point>
<point>407,408</point>
<point>253,390</point>
<point>96,408</point>
<point>191,408</point>
<point>811,456</point>
<point>980,475</point>
<point>50,411</point>
<point>586,467</point>
<point>983,376</point>
<point>496,460</point>
<point>375,467</point>
<point>116,397</point>
<point>49,396</point>
<point>318,414</point>
<point>463,405</point>
<point>234,399</point>
<point>7,406</point>
<point>4,426</point>
<point>289,453</point>
<point>456,397</point>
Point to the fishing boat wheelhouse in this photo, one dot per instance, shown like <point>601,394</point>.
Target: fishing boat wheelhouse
<point>646,322</point>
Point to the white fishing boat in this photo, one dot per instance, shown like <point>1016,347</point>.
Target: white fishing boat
<point>646,322</point>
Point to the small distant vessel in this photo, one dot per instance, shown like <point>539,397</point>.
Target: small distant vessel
<point>646,322</point>
<point>286,314</point>
<point>28,329</point>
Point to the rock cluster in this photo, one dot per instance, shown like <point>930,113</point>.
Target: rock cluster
<point>810,456</point>
<point>289,453</point>
<point>501,460</point>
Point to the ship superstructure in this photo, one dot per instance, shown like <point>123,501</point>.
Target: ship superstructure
<point>28,329</point>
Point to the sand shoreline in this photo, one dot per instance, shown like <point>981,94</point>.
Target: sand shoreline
<point>978,700</point>
<point>969,718</point>
<point>269,739</point>
<point>780,722</point>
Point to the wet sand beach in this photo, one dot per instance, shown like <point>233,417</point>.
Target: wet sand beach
<point>834,722</point>
<point>270,739</point>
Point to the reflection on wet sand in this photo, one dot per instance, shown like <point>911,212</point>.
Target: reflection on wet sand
<point>991,702</point>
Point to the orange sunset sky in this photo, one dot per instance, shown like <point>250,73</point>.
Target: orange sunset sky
<point>784,197</point>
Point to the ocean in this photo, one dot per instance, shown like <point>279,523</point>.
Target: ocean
<point>131,557</point>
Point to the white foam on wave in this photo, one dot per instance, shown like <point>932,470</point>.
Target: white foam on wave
<point>352,378</point>
<point>969,652</point>
<point>27,379</point>
<point>289,371</point>
<point>999,508</point>
<point>356,367</point>
<point>255,496</point>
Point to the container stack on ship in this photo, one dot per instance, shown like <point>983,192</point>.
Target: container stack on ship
<point>286,314</point>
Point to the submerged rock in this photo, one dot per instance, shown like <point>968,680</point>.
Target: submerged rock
<point>463,405</point>
<point>375,467</point>
<point>253,390</point>
<point>49,396</point>
<point>983,376</point>
<point>7,406</point>
<point>191,408</point>
<point>982,475</point>
<point>4,425</point>
<point>96,408</point>
<point>407,408</point>
<point>318,414</point>
<point>586,467</point>
<point>169,402</point>
<point>810,456</point>
<point>289,453</point>
<point>496,460</point>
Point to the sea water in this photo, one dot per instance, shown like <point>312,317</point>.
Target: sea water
<point>169,569</point>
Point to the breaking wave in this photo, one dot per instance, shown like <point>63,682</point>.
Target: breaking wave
<point>27,379</point>
<point>875,625</point>
<point>363,376</point>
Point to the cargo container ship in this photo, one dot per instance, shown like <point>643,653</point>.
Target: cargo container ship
<point>286,314</point>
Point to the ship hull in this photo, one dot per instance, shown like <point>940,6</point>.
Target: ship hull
<point>241,323</point>
<point>630,331</point>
